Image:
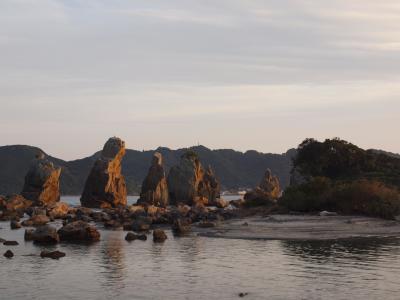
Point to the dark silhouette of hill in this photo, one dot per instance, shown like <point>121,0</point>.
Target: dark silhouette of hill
<point>236,170</point>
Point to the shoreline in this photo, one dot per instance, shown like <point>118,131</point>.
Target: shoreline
<point>303,228</point>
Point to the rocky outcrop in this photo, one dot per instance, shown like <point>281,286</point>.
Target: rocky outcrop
<point>79,231</point>
<point>42,182</point>
<point>105,186</point>
<point>267,192</point>
<point>189,183</point>
<point>14,203</point>
<point>154,187</point>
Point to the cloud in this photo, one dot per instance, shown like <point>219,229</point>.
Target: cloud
<point>82,65</point>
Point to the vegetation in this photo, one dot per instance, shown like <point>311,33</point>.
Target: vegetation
<point>341,177</point>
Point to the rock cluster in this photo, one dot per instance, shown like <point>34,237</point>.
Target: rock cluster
<point>154,187</point>
<point>190,184</point>
<point>42,182</point>
<point>266,192</point>
<point>12,207</point>
<point>105,185</point>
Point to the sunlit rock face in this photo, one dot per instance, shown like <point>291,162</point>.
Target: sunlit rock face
<point>42,182</point>
<point>189,183</point>
<point>105,185</point>
<point>267,191</point>
<point>154,187</point>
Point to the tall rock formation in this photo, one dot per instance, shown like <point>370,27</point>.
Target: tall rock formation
<point>190,184</point>
<point>154,187</point>
<point>42,182</point>
<point>266,192</point>
<point>105,185</point>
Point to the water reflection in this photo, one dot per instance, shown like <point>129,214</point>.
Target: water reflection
<point>357,248</point>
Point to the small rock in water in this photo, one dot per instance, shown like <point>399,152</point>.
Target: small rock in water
<point>52,254</point>
<point>207,224</point>
<point>245,224</point>
<point>130,236</point>
<point>8,254</point>
<point>15,224</point>
<point>241,295</point>
<point>28,236</point>
<point>10,243</point>
<point>159,236</point>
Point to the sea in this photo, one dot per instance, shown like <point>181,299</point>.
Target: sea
<point>194,267</point>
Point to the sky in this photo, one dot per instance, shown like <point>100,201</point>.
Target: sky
<point>241,74</point>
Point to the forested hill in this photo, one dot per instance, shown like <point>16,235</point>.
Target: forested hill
<point>236,170</point>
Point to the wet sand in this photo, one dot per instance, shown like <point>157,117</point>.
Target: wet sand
<point>303,227</point>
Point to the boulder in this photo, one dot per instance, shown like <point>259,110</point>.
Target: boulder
<point>59,210</point>
<point>181,227</point>
<point>266,192</point>
<point>42,182</point>
<point>52,254</point>
<point>189,183</point>
<point>15,204</point>
<point>130,236</point>
<point>221,203</point>
<point>36,220</point>
<point>15,224</point>
<point>8,254</point>
<point>159,236</point>
<point>154,187</point>
<point>79,231</point>
<point>105,186</point>
<point>28,236</point>
<point>10,243</point>
<point>45,234</point>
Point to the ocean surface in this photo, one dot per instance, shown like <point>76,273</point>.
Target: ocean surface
<point>195,267</point>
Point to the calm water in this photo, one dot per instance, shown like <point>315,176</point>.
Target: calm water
<point>202,268</point>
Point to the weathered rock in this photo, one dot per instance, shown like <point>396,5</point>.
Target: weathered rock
<point>181,227</point>
<point>52,254</point>
<point>10,243</point>
<point>28,236</point>
<point>207,224</point>
<point>36,220</point>
<point>42,182</point>
<point>159,236</point>
<point>15,203</point>
<point>15,225</point>
<point>221,203</point>
<point>154,187</point>
<point>79,231</point>
<point>141,224</point>
<point>105,186</point>
<point>8,254</point>
<point>45,234</point>
<point>267,191</point>
<point>188,183</point>
<point>130,236</point>
<point>59,210</point>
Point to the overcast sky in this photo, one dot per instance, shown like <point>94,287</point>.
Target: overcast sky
<point>242,74</point>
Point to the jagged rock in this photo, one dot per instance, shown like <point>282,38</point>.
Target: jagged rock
<point>52,254</point>
<point>45,234</point>
<point>154,187</point>
<point>267,191</point>
<point>105,186</point>
<point>159,236</point>
<point>8,254</point>
<point>15,224</point>
<point>188,183</point>
<point>42,182</point>
<point>79,231</point>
